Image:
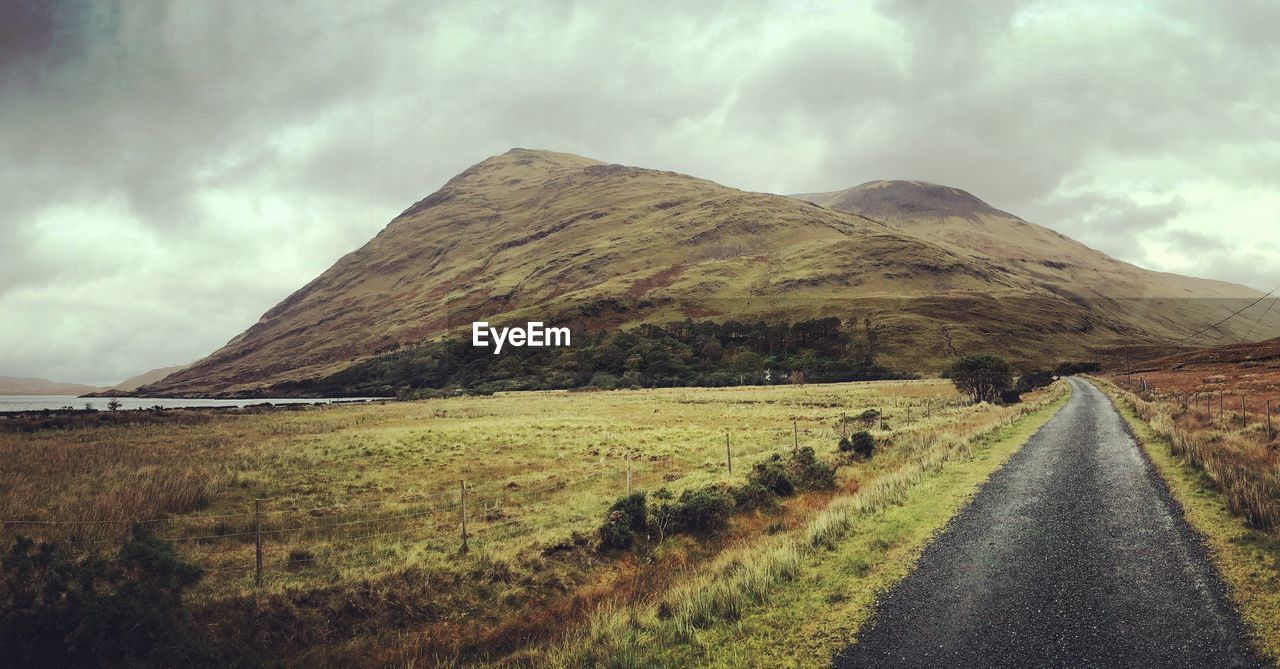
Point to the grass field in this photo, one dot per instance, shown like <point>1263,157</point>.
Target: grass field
<point>361,517</point>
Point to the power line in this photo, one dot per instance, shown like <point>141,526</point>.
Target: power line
<point>1246,308</point>
<point>1261,318</point>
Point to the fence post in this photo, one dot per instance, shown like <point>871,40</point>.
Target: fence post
<point>463,513</point>
<point>1244,413</point>
<point>908,415</point>
<point>1270,433</point>
<point>795,436</point>
<point>728,453</point>
<point>627,457</point>
<point>257,541</point>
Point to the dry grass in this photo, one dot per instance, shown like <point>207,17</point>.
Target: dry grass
<point>1241,459</point>
<point>632,635</point>
<point>1247,558</point>
<point>362,530</point>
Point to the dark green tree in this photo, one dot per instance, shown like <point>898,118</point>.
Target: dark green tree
<point>982,377</point>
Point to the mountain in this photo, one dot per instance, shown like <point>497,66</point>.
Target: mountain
<point>553,237</point>
<point>1164,307</point>
<point>146,378</point>
<point>963,223</point>
<point>10,385</point>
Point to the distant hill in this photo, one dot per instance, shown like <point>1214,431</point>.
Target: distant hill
<point>10,385</point>
<point>963,223</point>
<point>146,378</point>
<point>537,235</point>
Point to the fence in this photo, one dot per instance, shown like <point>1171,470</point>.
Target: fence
<point>258,541</point>
<point>1242,410</point>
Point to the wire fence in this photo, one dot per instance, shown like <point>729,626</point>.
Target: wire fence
<point>1238,408</point>
<point>270,537</point>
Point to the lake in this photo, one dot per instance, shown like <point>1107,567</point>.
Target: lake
<point>38,402</point>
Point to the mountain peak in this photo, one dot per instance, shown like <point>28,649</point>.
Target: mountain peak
<point>890,199</point>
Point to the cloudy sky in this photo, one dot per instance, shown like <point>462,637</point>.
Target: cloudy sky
<point>170,170</point>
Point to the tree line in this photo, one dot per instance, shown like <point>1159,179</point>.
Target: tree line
<point>684,353</point>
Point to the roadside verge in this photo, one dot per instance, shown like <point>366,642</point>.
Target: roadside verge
<point>796,599</point>
<point>1247,559</point>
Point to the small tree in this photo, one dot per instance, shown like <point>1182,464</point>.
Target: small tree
<point>114,404</point>
<point>982,377</point>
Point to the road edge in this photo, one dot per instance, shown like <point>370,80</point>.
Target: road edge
<point>1247,561</point>
<point>897,539</point>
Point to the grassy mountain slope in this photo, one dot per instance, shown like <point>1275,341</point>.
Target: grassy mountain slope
<point>536,235</point>
<point>1164,305</point>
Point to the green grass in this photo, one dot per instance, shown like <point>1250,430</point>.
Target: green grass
<point>795,599</point>
<point>1247,559</point>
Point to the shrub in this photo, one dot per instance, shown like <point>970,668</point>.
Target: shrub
<point>662,513</point>
<point>772,476</point>
<point>808,472</point>
<point>1072,368</point>
<point>60,610</point>
<point>604,381</point>
<point>869,418</point>
<point>861,444</point>
<point>1036,378</point>
<point>626,517</point>
<point>703,510</point>
<point>982,377</point>
<point>752,496</point>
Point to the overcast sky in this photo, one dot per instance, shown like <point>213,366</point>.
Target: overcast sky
<point>169,171</point>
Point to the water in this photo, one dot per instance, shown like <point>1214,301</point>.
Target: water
<point>38,402</point>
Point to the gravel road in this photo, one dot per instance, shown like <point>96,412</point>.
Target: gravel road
<point>1072,555</point>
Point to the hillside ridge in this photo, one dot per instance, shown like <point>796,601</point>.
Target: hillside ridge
<point>537,235</point>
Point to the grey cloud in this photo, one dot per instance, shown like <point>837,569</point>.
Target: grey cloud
<point>177,163</point>
<point>1109,223</point>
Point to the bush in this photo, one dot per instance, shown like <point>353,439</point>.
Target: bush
<point>1034,379</point>
<point>604,381</point>
<point>60,610</point>
<point>662,513</point>
<point>626,517</point>
<point>752,496</point>
<point>869,418</point>
<point>772,476</point>
<point>703,510</point>
<point>861,444</point>
<point>808,472</point>
<point>982,377</point>
<point>1073,368</point>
